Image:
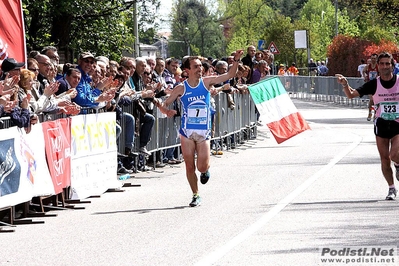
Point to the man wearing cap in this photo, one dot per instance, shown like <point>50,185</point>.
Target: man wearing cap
<point>12,67</point>
<point>87,96</point>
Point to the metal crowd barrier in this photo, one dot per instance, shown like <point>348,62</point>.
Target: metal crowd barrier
<point>322,89</point>
<point>5,122</point>
<point>240,121</point>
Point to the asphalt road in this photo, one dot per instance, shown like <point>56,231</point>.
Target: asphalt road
<point>265,204</point>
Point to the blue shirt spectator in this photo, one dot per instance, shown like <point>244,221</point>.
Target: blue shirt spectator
<point>86,95</point>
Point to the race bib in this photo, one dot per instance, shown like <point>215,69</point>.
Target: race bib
<point>197,115</point>
<point>389,110</point>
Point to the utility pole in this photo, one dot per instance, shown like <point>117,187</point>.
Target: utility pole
<point>136,30</point>
<point>336,17</point>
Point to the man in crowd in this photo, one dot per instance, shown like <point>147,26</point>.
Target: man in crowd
<point>322,69</point>
<point>52,53</point>
<point>249,58</point>
<point>169,73</point>
<point>130,64</point>
<point>69,83</point>
<point>145,120</point>
<point>11,67</point>
<point>87,96</point>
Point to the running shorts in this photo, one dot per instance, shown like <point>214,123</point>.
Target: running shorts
<point>386,129</point>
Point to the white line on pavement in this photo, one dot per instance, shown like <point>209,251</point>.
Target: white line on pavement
<point>223,250</point>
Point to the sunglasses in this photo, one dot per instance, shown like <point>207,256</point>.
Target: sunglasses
<point>147,73</point>
<point>184,77</point>
<point>46,64</point>
<point>88,61</point>
<point>33,69</point>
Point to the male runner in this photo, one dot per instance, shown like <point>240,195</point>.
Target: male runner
<point>196,118</point>
<point>385,92</point>
<point>370,72</point>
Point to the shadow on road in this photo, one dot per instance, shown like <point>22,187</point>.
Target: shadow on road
<point>141,211</point>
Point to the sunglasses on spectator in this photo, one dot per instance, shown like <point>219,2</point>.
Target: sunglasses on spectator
<point>46,64</point>
<point>147,73</point>
<point>33,69</point>
<point>184,77</point>
<point>88,61</point>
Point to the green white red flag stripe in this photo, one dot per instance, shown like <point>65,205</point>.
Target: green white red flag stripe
<point>277,110</point>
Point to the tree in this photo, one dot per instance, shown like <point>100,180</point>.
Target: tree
<point>345,53</point>
<point>377,34</point>
<point>77,25</point>
<point>288,8</point>
<point>321,17</point>
<point>281,32</point>
<point>249,20</point>
<point>197,27</point>
<point>382,46</point>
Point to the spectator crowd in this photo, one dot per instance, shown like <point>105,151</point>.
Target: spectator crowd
<point>95,84</point>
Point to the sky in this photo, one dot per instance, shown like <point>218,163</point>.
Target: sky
<point>164,11</point>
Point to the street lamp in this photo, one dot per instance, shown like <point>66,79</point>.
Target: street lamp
<point>188,44</point>
<point>135,29</point>
<point>221,26</point>
<point>162,39</point>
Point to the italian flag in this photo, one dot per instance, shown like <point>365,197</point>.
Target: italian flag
<point>277,109</point>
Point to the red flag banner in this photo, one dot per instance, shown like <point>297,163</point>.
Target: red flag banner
<point>12,31</point>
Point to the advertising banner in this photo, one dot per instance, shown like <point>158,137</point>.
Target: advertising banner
<point>16,178</point>
<point>94,155</point>
<point>57,139</point>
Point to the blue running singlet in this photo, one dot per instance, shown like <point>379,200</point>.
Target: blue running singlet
<point>196,114</point>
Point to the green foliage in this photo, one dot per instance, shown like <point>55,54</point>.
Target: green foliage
<point>100,26</point>
<point>287,8</point>
<point>377,34</point>
<point>238,41</point>
<point>195,26</point>
<point>321,17</point>
<point>106,27</point>
<point>250,18</point>
<point>281,32</point>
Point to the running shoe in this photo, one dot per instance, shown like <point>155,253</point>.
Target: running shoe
<point>391,194</point>
<point>205,177</point>
<point>369,116</point>
<point>196,201</point>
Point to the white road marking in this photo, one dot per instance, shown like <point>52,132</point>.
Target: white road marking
<point>223,250</point>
